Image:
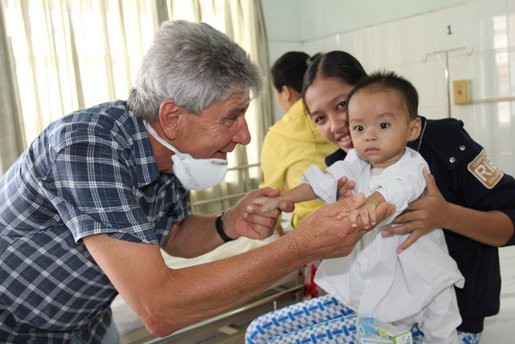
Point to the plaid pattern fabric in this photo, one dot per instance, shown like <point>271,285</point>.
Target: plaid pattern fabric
<point>92,172</point>
<point>316,321</point>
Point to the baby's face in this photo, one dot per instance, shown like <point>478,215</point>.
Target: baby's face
<point>380,125</point>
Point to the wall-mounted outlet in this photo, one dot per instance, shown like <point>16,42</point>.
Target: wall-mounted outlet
<point>461,92</point>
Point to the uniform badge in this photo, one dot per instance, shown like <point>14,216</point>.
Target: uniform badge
<point>485,170</point>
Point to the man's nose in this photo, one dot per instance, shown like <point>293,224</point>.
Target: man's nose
<point>242,135</point>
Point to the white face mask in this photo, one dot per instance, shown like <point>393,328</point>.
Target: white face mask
<point>194,174</point>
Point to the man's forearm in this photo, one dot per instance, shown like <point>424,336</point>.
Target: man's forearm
<point>193,237</point>
<point>187,295</point>
<point>222,285</point>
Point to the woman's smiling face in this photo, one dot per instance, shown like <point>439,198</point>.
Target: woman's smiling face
<point>326,100</point>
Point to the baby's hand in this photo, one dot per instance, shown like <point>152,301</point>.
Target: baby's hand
<point>266,203</point>
<point>367,213</point>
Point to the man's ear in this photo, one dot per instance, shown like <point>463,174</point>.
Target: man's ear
<point>169,118</point>
<point>415,127</point>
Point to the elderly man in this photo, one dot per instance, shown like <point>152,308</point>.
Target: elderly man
<point>85,210</point>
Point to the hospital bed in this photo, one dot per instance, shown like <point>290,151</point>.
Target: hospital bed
<point>228,327</point>
<point>220,329</point>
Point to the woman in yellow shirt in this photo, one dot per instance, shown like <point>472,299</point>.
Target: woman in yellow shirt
<point>294,142</point>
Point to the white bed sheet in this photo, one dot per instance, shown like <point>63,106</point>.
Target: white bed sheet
<point>126,320</point>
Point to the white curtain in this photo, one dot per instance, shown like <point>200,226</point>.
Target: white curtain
<point>75,53</point>
<point>11,140</point>
<point>70,54</point>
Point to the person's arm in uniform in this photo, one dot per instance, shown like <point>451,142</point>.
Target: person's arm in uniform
<point>433,211</point>
<point>475,199</point>
<point>168,299</point>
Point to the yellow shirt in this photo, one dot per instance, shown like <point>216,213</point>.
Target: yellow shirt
<point>289,147</point>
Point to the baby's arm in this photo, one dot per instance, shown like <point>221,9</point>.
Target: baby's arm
<point>301,193</point>
<point>367,212</point>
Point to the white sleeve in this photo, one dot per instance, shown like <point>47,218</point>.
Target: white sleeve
<point>325,185</point>
<point>403,182</point>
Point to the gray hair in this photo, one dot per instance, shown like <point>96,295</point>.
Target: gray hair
<point>194,65</point>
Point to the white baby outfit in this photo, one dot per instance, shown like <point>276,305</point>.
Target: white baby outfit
<point>413,287</point>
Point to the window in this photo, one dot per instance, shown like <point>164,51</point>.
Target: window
<point>70,54</point>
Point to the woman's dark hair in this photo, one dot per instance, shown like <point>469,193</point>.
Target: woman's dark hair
<point>288,70</point>
<point>337,64</point>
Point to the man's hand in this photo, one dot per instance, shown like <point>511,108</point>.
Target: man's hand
<point>246,219</point>
<point>421,216</point>
<point>266,204</point>
<point>323,235</point>
<point>367,215</point>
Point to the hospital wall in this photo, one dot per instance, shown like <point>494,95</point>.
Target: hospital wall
<point>430,46</point>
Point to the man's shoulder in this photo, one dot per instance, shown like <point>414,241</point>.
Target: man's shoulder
<point>110,120</point>
<point>115,111</point>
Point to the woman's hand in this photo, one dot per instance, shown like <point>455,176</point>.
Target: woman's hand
<point>345,187</point>
<point>421,216</point>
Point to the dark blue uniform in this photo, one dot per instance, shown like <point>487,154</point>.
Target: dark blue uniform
<point>465,176</point>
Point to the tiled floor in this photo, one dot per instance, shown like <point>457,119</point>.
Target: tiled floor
<point>499,328</point>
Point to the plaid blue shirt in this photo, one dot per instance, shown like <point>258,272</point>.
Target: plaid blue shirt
<point>91,172</point>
